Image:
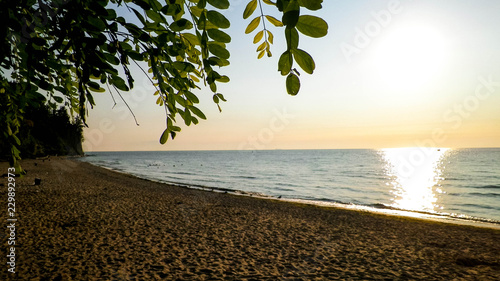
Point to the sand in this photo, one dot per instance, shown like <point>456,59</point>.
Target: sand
<point>88,223</point>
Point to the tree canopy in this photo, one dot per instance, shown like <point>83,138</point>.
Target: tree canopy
<point>67,50</point>
<point>45,131</point>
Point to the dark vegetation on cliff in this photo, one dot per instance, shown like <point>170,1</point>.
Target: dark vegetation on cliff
<point>47,131</point>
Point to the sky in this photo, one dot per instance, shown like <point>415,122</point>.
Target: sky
<point>397,73</point>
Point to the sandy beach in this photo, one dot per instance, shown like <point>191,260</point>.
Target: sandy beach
<point>88,223</point>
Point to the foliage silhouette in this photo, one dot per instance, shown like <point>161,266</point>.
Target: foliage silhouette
<point>45,131</point>
<point>69,50</point>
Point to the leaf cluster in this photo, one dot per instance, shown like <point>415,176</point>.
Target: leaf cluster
<point>68,51</point>
<point>71,50</point>
<point>294,24</point>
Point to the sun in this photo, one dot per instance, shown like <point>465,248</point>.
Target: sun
<point>410,57</point>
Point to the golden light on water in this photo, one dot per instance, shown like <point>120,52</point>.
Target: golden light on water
<point>414,174</point>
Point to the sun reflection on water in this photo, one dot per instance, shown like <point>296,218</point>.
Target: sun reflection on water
<point>414,174</point>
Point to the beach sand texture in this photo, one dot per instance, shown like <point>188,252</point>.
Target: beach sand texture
<point>88,223</point>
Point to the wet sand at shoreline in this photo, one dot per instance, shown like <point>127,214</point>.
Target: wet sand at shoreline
<point>88,223</point>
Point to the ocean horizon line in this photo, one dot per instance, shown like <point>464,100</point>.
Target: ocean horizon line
<point>298,149</point>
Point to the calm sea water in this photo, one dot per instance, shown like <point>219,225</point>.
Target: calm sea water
<point>451,183</point>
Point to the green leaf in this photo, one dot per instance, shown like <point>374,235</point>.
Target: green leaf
<point>90,98</point>
<point>164,136</point>
<point>201,4</point>
<point>119,83</point>
<point>312,26</point>
<point>174,10</point>
<point>285,63</point>
<point>312,5</point>
<point>218,61</point>
<point>274,21</point>
<point>250,8</point>
<point>279,4</point>
<point>291,14</point>
<point>253,25</point>
<point>261,54</point>
<point>183,66</point>
<point>135,55</point>
<point>180,100</point>
<point>258,36</point>
<point>192,97</point>
<point>187,117</point>
<point>196,11</point>
<point>221,97</point>
<point>292,38</point>
<point>223,79</point>
<point>219,35</point>
<point>139,16</point>
<point>197,112</point>
<point>181,25</point>
<point>304,60</point>
<point>270,36</point>
<point>155,4</point>
<point>94,87</point>
<point>292,84</point>
<point>218,50</point>
<point>156,17</point>
<point>193,39</point>
<point>143,4</point>
<point>218,19</point>
<point>262,46</point>
<point>58,99</point>
<point>111,58</point>
<point>220,4</point>
<point>125,46</point>
<point>97,23</point>
<point>111,14</point>
<point>212,76</point>
<point>16,139</point>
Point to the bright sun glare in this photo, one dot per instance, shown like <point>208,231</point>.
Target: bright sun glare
<point>410,57</point>
<point>414,174</point>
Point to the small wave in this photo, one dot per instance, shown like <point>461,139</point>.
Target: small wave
<point>184,173</point>
<point>283,189</point>
<point>287,184</point>
<point>382,206</point>
<point>453,179</point>
<point>244,177</point>
<point>473,194</point>
<point>477,206</point>
<point>175,178</point>
<point>440,214</point>
<point>489,186</point>
<point>489,194</point>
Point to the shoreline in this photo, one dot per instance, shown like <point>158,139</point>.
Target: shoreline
<point>384,209</point>
<point>88,221</point>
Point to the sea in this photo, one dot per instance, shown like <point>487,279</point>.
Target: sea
<point>459,185</point>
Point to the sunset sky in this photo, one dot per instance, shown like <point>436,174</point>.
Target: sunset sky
<point>388,74</point>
